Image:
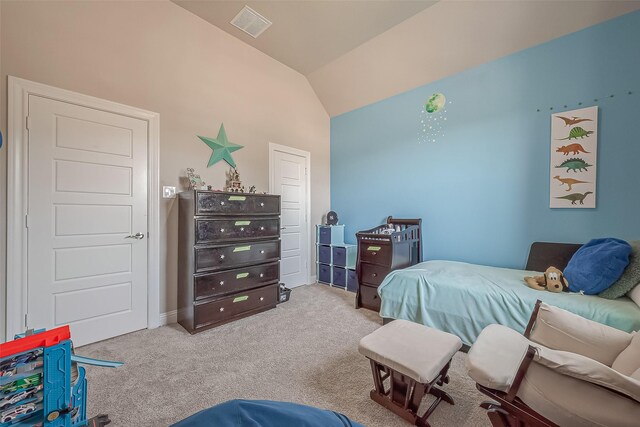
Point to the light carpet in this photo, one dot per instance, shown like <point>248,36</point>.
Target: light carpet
<point>304,351</point>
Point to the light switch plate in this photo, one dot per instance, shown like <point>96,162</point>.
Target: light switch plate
<point>168,192</point>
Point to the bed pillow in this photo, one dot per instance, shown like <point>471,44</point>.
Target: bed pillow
<point>597,265</point>
<point>629,279</point>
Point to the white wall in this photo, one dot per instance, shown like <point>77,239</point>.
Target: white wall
<point>160,57</point>
<point>3,199</point>
<point>446,38</point>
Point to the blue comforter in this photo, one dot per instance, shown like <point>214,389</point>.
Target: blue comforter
<point>265,413</point>
<point>463,299</point>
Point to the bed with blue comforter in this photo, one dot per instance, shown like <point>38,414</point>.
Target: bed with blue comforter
<point>463,299</point>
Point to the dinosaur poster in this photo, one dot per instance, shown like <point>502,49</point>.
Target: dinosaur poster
<point>574,147</point>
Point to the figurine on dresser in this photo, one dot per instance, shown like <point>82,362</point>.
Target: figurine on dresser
<point>234,185</point>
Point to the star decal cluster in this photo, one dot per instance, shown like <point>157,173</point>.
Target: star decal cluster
<point>222,148</point>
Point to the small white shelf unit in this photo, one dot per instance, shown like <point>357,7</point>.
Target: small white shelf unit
<point>335,259</point>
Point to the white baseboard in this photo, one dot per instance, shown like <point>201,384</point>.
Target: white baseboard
<point>313,279</point>
<point>169,317</point>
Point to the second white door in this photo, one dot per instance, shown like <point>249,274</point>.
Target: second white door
<point>87,220</point>
<point>289,171</point>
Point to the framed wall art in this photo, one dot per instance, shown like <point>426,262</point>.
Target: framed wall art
<point>574,147</point>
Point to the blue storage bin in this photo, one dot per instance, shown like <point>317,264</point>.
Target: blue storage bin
<point>340,256</point>
<point>344,256</point>
<point>324,235</point>
<point>324,273</point>
<point>340,277</point>
<point>324,254</point>
<point>331,234</point>
<point>352,280</point>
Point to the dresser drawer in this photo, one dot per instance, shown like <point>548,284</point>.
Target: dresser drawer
<point>372,274</point>
<point>228,256</point>
<point>380,254</point>
<point>238,279</point>
<point>214,203</point>
<point>369,298</point>
<point>235,306</point>
<point>212,230</point>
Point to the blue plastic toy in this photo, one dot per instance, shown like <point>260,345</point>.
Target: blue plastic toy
<point>41,384</point>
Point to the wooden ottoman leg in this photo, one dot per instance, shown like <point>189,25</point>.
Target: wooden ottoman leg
<point>404,394</point>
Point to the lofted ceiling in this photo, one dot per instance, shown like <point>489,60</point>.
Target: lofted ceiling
<point>355,53</point>
<point>308,34</point>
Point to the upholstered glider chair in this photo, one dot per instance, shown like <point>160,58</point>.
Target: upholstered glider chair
<point>565,371</point>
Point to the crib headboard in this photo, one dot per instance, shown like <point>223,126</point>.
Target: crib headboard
<point>543,255</point>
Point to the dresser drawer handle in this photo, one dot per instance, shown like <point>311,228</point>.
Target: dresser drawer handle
<point>221,308</point>
<point>261,298</point>
<point>241,228</point>
<point>261,204</point>
<point>221,203</point>
<point>221,282</point>
<point>262,228</point>
<point>222,230</point>
<point>262,251</point>
<point>374,275</point>
<point>374,253</point>
<point>222,256</point>
<point>261,274</point>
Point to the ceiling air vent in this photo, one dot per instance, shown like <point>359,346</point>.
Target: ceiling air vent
<point>251,22</point>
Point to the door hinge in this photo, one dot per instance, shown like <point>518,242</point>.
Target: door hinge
<point>26,321</point>
<point>27,124</point>
<point>26,221</point>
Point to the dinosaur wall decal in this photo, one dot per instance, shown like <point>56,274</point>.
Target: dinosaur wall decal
<point>569,181</point>
<point>576,165</point>
<point>577,132</point>
<point>573,121</point>
<point>576,197</point>
<point>571,148</point>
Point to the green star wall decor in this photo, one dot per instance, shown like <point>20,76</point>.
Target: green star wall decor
<point>221,147</point>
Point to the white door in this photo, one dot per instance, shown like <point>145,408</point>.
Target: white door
<point>87,198</point>
<point>289,180</point>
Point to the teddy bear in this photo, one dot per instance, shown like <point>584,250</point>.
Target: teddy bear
<point>553,281</point>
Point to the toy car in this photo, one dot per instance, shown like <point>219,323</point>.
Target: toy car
<point>21,358</point>
<point>31,381</point>
<point>26,367</point>
<point>22,395</point>
<point>7,373</point>
<point>13,413</point>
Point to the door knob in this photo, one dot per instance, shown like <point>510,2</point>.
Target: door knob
<point>137,236</point>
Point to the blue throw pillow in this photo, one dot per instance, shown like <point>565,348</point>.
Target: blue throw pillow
<point>597,265</point>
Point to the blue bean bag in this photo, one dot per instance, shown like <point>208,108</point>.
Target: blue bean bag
<point>597,265</point>
<point>265,413</point>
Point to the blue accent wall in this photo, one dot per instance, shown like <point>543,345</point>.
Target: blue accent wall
<point>482,189</point>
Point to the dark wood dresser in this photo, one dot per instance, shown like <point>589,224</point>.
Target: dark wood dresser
<point>397,244</point>
<point>228,257</point>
